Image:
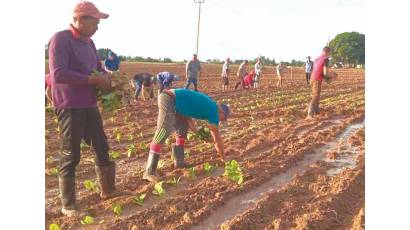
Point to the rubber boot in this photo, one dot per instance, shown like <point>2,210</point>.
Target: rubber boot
<point>178,154</point>
<point>150,170</point>
<point>106,180</point>
<point>67,196</point>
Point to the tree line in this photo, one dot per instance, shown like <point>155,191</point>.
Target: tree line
<point>348,49</point>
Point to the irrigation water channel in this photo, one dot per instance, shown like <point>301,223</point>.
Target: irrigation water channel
<point>248,200</point>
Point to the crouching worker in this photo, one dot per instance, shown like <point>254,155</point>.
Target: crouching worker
<point>144,82</point>
<point>248,80</point>
<point>177,108</point>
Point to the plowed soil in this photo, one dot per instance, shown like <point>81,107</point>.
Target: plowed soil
<point>299,174</point>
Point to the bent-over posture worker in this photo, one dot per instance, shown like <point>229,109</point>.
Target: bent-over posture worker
<point>177,108</point>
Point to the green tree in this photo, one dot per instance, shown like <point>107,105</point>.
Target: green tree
<point>46,55</point>
<point>348,48</point>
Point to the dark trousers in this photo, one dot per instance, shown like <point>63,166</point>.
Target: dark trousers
<point>138,87</point>
<point>308,77</point>
<point>192,81</point>
<point>75,125</point>
<point>313,108</point>
<point>240,82</point>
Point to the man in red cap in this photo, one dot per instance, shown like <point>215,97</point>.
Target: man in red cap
<point>73,60</point>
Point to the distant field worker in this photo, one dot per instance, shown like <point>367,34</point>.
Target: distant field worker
<point>258,73</point>
<point>320,70</point>
<point>177,109</point>
<point>193,72</point>
<point>143,82</point>
<point>279,72</point>
<point>112,63</point>
<point>49,97</point>
<point>248,80</point>
<point>73,59</point>
<point>225,74</point>
<point>241,73</point>
<point>165,80</point>
<point>308,69</point>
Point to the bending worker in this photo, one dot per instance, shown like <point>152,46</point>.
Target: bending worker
<point>177,108</point>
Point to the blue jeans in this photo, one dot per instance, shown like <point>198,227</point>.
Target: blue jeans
<point>138,87</point>
<point>192,81</point>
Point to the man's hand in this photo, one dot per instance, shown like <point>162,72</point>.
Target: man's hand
<point>103,81</point>
<point>218,142</point>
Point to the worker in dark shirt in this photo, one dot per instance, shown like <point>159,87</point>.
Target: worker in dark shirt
<point>143,82</point>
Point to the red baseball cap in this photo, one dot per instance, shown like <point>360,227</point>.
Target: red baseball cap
<point>85,8</point>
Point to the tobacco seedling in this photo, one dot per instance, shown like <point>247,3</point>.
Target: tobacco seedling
<point>117,209</point>
<point>118,136</point>
<point>158,189</point>
<point>54,227</point>
<point>143,146</point>
<point>233,171</point>
<point>187,154</point>
<point>131,150</point>
<point>130,137</point>
<point>52,171</point>
<point>90,185</point>
<point>203,134</point>
<point>161,163</point>
<point>190,136</point>
<point>87,220</point>
<point>114,155</point>
<point>174,182</point>
<point>192,173</point>
<point>208,168</point>
<point>139,199</point>
<point>84,146</point>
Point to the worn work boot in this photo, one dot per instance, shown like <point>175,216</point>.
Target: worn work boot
<point>150,170</point>
<point>178,154</point>
<point>67,196</point>
<point>106,180</point>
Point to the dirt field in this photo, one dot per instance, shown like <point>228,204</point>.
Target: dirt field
<point>299,174</point>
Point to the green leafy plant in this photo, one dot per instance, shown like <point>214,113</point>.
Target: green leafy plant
<point>130,137</point>
<point>203,134</point>
<point>192,173</point>
<point>158,189</point>
<point>87,220</point>
<point>84,146</point>
<point>174,181</point>
<point>117,209</point>
<point>139,199</point>
<point>190,136</point>
<point>52,171</point>
<point>208,168</point>
<point>233,171</point>
<point>161,163</point>
<point>114,154</point>
<point>118,136</point>
<point>187,154</point>
<point>131,150</point>
<point>54,227</point>
<point>90,185</point>
<point>143,146</point>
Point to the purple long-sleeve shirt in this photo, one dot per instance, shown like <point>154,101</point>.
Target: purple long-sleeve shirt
<point>71,61</point>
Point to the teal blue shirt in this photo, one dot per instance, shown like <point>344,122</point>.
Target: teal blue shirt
<point>197,105</point>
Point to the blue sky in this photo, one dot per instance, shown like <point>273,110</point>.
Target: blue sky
<point>283,30</point>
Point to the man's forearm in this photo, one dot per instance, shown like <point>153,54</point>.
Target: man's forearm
<point>220,148</point>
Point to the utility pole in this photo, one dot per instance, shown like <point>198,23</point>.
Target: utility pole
<point>199,19</point>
